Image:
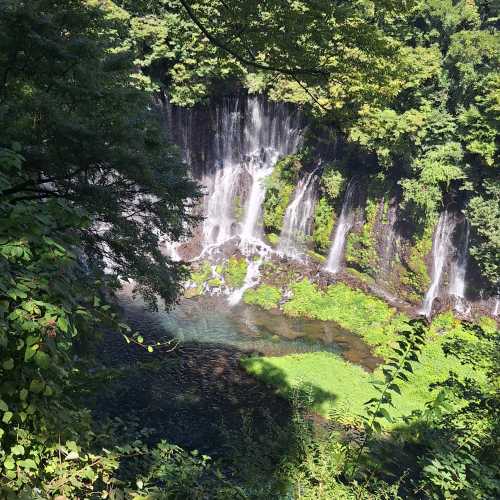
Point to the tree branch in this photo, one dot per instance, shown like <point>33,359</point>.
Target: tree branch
<point>250,62</point>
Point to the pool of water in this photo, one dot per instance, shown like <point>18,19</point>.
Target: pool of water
<point>198,395</point>
<point>210,320</point>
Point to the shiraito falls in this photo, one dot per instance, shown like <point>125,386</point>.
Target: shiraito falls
<point>249,250</point>
<point>260,209</point>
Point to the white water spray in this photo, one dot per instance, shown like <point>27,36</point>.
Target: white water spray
<point>458,271</point>
<point>342,228</point>
<point>440,252</point>
<point>251,279</point>
<point>248,145</point>
<point>298,218</point>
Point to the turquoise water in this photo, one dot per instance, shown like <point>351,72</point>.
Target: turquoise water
<point>210,320</point>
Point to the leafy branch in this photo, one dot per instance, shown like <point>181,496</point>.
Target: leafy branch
<point>395,371</point>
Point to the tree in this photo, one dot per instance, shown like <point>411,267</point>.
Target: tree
<point>89,135</point>
<point>87,181</point>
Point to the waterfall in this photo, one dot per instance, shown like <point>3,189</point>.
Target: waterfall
<point>342,228</point>
<point>440,253</point>
<point>298,217</point>
<point>219,222</point>
<point>251,279</point>
<point>458,270</point>
<point>251,135</point>
<point>496,309</point>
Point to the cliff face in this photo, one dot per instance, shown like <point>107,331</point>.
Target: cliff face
<point>276,189</point>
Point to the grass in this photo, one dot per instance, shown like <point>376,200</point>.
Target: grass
<point>367,316</point>
<point>265,296</point>
<point>333,381</point>
<point>339,387</point>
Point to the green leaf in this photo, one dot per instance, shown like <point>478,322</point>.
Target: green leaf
<point>27,463</point>
<point>395,388</point>
<point>7,417</point>
<point>3,405</point>
<point>36,386</point>
<point>62,324</point>
<point>42,360</point>
<point>9,463</point>
<point>18,449</point>
<point>72,455</point>
<point>8,364</point>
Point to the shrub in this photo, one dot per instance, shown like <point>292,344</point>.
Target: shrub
<point>324,220</point>
<point>264,296</point>
<point>352,309</point>
<point>280,188</point>
<point>235,271</point>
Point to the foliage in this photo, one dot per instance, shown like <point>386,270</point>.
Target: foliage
<point>235,271</point>
<point>280,186</point>
<point>395,371</point>
<point>416,275</point>
<point>202,274</point>
<point>352,309</point>
<point>324,220</point>
<point>333,182</point>
<point>273,239</point>
<point>361,246</point>
<point>461,442</point>
<point>95,142</point>
<point>483,213</point>
<point>264,296</point>
<point>81,155</point>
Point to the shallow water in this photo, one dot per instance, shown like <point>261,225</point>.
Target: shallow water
<point>251,329</point>
<point>198,395</point>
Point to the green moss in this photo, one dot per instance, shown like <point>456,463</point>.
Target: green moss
<point>238,208</point>
<point>264,296</point>
<point>316,256</point>
<point>202,274</point>
<point>416,276</point>
<point>361,247</point>
<point>273,239</point>
<point>354,310</point>
<point>235,271</point>
<point>190,293</point>
<point>489,325</point>
<point>333,181</point>
<point>215,282</point>
<point>280,187</point>
<point>324,220</point>
<point>365,278</point>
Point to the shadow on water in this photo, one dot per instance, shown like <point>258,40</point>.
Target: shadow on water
<point>197,396</point>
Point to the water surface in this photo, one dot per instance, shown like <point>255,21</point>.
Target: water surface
<point>210,320</point>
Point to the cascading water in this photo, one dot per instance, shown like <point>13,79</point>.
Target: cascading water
<point>251,279</point>
<point>441,245</point>
<point>342,228</point>
<point>250,139</point>
<point>298,217</point>
<point>458,270</point>
<point>219,221</point>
